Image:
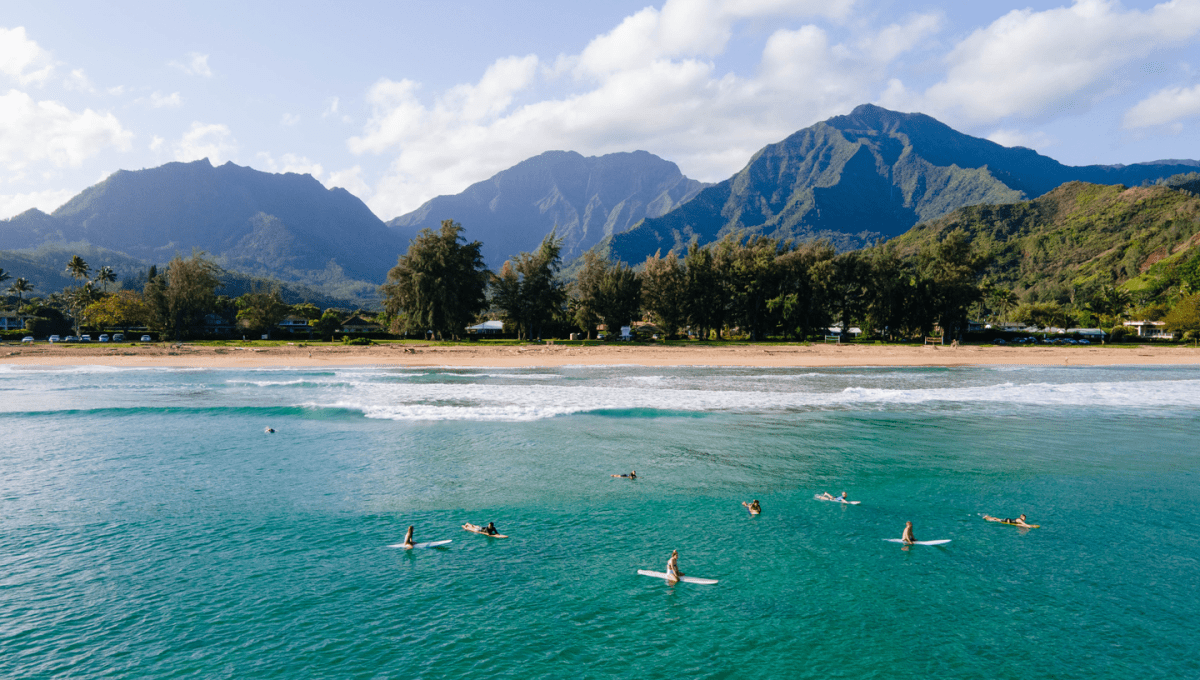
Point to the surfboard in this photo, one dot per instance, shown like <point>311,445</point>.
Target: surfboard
<point>943,541</point>
<point>428,544</point>
<point>479,530</point>
<point>686,579</point>
<point>836,499</point>
<point>752,510</point>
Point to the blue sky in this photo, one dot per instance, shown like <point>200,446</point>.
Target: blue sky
<point>404,100</point>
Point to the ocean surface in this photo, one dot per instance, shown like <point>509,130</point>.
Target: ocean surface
<point>149,527</point>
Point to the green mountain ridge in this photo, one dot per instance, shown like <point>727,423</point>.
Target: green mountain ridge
<point>583,199</point>
<point>857,178</point>
<point>1076,238</point>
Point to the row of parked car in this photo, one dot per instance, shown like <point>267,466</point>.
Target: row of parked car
<point>1042,341</point>
<point>118,337</point>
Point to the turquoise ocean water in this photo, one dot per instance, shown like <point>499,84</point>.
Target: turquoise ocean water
<point>150,528</point>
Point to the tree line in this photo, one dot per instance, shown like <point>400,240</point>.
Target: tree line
<point>756,286</point>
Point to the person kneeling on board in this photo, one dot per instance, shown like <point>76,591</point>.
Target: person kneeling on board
<point>1020,521</point>
<point>907,537</point>
<point>408,538</point>
<point>673,567</point>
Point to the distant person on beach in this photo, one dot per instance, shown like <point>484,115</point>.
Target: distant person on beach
<point>1020,521</point>
<point>408,538</point>
<point>753,507</point>
<point>673,566</point>
<point>632,475</point>
<point>907,537</point>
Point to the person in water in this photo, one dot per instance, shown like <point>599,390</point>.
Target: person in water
<point>632,475</point>
<point>269,430</point>
<point>673,566</point>
<point>907,537</point>
<point>408,538</point>
<point>1020,521</point>
<point>753,506</point>
<point>826,496</point>
<point>490,529</point>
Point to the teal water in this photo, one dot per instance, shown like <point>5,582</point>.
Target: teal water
<point>150,528</point>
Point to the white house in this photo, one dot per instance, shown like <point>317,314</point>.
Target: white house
<point>487,328</point>
<point>9,321</point>
<point>1150,329</point>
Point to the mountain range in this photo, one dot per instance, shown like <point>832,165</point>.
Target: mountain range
<point>853,179</point>
<point>583,199</point>
<point>871,174</point>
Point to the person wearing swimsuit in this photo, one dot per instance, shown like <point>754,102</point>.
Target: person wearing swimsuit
<point>673,566</point>
<point>490,529</point>
<point>408,538</point>
<point>907,537</point>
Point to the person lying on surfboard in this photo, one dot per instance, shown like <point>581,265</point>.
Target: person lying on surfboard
<point>490,529</point>
<point>408,539</point>
<point>753,507</point>
<point>632,475</point>
<point>907,536</point>
<point>826,496</point>
<point>1020,521</point>
<point>673,566</point>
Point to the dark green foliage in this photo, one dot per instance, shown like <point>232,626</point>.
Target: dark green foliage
<point>663,293</point>
<point>327,325</point>
<point>606,293</point>
<point>1185,316</point>
<point>439,284</point>
<point>527,290</point>
<point>182,294</point>
<point>261,311</point>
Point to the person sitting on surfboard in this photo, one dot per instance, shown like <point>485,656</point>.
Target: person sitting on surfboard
<point>1020,521</point>
<point>673,566</point>
<point>408,538</point>
<point>907,537</point>
<point>632,475</point>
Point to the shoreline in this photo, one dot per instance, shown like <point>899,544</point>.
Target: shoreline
<point>529,356</point>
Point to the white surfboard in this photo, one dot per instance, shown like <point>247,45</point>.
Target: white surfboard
<point>429,544</point>
<point>836,499</point>
<point>686,579</point>
<point>942,541</point>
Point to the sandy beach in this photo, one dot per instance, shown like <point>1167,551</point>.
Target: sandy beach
<point>767,356</point>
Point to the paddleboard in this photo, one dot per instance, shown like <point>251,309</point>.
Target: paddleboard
<point>428,544</point>
<point>686,579</point>
<point>836,499</point>
<point>943,541</point>
<point>479,530</point>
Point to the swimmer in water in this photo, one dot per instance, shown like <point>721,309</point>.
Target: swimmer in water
<point>269,430</point>
<point>753,507</point>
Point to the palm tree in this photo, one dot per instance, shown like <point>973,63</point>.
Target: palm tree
<point>4,276</point>
<point>1004,300</point>
<point>78,268</point>
<point>20,287</point>
<point>105,276</point>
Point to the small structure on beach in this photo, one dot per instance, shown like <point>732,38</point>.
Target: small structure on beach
<point>492,327</point>
<point>1150,329</point>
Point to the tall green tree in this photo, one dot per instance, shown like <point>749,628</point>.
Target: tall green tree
<point>620,297</point>
<point>663,293</point>
<point>181,295</point>
<point>704,287</point>
<point>889,292</point>
<point>527,290</point>
<point>802,305</point>
<point>105,276</point>
<point>262,310</point>
<point>753,280</point>
<point>586,297</point>
<point>19,288</point>
<point>951,269</point>
<point>78,268</point>
<point>440,284</point>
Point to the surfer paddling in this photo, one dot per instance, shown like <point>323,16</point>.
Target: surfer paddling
<point>632,475</point>
<point>827,497</point>
<point>1020,521</point>
<point>907,537</point>
<point>753,507</point>
<point>673,573</point>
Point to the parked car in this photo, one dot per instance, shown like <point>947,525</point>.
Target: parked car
<point>70,338</point>
<point>27,338</point>
<point>104,337</point>
<point>55,338</point>
<point>146,338</point>
<point>1085,342</point>
<point>85,338</point>
<point>119,337</point>
<point>1000,341</point>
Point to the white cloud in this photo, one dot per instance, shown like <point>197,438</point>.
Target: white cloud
<point>46,201</point>
<point>78,81</point>
<point>331,107</point>
<point>23,59</point>
<point>1165,106</point>
<point>212,141</point>
<point>156,143</point>
<point>159,100</point>
<point>1010,137</point>
<point>289,119</point>
<point>116,91</point>
<point>196,65</point>
<point>289,162</point>
<point>1029,63</point>
<point>651,83</point>
<point>350,179</point>
<point>32,131</point>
